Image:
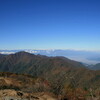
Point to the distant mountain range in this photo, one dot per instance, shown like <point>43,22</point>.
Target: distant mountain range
<point>88,57</point>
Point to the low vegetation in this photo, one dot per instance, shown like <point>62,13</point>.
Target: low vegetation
<point>58,77</point>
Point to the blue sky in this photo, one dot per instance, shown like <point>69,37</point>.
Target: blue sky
<point>50,24</point>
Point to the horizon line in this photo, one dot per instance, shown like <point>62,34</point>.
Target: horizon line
<point>57,49</point>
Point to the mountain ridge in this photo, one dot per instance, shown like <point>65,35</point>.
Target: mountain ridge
<point>96,66</point>
<point>89,57</point>
<point>23,57</point>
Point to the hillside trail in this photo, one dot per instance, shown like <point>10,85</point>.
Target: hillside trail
<point>7,80</point>
<point>47,97</point>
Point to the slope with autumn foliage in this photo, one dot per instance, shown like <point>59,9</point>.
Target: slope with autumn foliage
<point>61,76</point>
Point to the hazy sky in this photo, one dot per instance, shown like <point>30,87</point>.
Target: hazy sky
<point>55,24</point>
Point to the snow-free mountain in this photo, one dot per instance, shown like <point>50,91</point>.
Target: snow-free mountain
<point>88,57</point>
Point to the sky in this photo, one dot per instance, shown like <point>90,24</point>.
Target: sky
<point>50,24</point>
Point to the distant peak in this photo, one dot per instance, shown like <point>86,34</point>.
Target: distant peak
<point>23,53</point>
